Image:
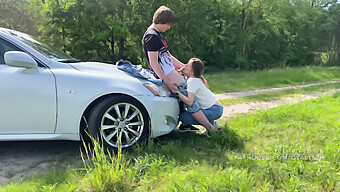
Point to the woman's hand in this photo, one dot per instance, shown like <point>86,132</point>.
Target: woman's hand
<point>171,85</point>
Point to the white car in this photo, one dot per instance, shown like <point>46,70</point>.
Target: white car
<point>48,95</point>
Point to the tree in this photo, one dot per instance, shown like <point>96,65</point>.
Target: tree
<point>17,15</point>
<point>88,30</point>
<point>237,34</point>
<point>334,34</point>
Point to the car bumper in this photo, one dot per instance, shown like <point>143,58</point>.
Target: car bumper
<point>163,113</point>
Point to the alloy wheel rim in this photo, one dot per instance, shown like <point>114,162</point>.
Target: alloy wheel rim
<point>122,125</point>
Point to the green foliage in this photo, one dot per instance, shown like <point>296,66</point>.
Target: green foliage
<point>246,35</point>
<point>334,35</point>
<point>106,171</point>
<point>91,30</point>
<point>17,14</point>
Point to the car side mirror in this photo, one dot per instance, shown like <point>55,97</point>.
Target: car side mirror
<point>20,59</point>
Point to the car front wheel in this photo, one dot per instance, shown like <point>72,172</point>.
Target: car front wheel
<point>119,121</point>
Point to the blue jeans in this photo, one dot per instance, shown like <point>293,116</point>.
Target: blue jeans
<point>212,113</point>
<point>138,71</point>
<point>182,87</point>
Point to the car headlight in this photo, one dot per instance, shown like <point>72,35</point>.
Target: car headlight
<point>157,90</point>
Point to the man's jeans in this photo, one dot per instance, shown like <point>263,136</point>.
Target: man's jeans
<point>212,113</point>
<point>138,71</point>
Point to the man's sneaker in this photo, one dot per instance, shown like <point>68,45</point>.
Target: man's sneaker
<point>187,128</point>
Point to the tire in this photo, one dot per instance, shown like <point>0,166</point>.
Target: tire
<point>119,121</point>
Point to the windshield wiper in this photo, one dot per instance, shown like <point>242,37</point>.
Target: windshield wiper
<point>69,61</point>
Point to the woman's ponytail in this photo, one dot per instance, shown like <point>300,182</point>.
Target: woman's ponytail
<point>198,69</point>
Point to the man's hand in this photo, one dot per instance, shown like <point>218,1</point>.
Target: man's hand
<point>172,85</point>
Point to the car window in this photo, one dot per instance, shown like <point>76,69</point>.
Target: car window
<point>4,47</point>
<point>48,51</point>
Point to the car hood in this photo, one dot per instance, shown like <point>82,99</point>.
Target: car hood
<point>111,71</point>
<point>101,69</point>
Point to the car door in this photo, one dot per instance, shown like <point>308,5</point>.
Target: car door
<point>27,100</point>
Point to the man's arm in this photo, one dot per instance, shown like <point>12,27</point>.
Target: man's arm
<point>153,59</point>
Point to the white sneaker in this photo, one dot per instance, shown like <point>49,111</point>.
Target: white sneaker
<point>217,128</point>
<point>207,134</point>
<point>216,125</point>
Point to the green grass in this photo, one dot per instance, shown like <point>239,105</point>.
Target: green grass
<point>288,148</point>
<point>267,96</point>
<point>244,81</point>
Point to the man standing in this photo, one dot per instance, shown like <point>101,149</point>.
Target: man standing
<point>164,64</point>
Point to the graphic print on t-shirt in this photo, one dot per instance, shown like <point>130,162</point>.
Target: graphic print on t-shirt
<point>164,43</point>
<point>164,58</point>
<point>153,41</point>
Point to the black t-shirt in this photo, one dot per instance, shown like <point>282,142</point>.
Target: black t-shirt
<point>154,41</point>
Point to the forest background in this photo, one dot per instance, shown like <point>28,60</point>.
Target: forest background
<point>225,34</point>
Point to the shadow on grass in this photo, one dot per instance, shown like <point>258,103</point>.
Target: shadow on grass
<point>187,147</point>
<point>229,140</point>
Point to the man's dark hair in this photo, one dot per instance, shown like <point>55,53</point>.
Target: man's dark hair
<point>164,15</point>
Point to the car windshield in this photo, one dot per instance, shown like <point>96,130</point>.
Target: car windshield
<point>43,48</point>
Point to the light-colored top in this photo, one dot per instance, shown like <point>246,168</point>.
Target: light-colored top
<point>204,96</point>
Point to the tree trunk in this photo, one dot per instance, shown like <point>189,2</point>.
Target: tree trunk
<point>112,42</point>
<point>246,15</point>
<point>121,48</point>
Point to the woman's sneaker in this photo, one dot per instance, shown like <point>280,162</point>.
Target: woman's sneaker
<point>207,134</point>
<point>216,125</point>
<point>187,128</point>
<point>218,128</point>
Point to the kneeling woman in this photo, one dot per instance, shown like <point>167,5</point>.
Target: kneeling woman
<point>197,87</point>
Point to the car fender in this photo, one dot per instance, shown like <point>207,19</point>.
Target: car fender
<point>76,90</point>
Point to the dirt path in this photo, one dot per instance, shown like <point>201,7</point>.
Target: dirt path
<point>20,160</point>
<point>255,106</point>
<point>254,92</point>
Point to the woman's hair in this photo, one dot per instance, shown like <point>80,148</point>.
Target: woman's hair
<point>164,15</point>
<point>198,69</point>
